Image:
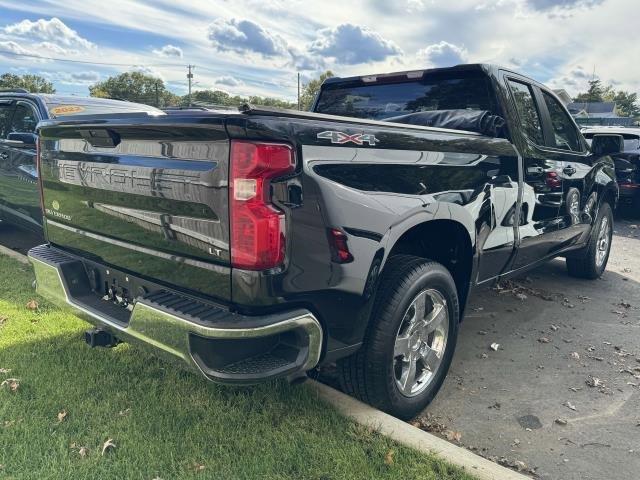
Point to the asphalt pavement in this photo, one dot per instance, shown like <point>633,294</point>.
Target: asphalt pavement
<point>560,396</point>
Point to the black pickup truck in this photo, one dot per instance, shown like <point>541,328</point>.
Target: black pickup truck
<point>263,243</point>
<point>20,112</point>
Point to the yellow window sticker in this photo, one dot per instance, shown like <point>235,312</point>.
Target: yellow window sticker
<point>66,110</point>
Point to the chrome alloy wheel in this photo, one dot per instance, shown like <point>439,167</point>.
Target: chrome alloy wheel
<point>604,239</point>
<point>421,342</point>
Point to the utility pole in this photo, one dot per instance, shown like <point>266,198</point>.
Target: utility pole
<point>190,78</point>
<point>299,91</point>
<point>157,97</point>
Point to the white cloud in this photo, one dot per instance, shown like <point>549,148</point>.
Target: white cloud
<point>353,44</point>
<point>443,54</point>
<point>228,81</point>
<point>245,36</point>
<point>151,71</point>
<point>169,51</point>
<point>48,47</point>
<point>53,30</point>
<point>87,77</point>
<point>13,47</point>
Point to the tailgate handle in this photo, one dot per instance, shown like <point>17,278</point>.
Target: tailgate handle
<point>101,137</point>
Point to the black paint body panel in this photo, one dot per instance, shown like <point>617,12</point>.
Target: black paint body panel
<point>375,194</point>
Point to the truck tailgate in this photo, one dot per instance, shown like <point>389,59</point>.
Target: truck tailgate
<point>148,197</point>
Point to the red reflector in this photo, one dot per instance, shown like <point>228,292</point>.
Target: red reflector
<point>339,249</point>
<point>257,228</point>
<point>552,180</point>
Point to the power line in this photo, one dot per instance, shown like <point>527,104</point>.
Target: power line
<point>86,62</point>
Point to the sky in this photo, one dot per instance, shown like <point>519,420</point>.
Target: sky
<point>249,47</point>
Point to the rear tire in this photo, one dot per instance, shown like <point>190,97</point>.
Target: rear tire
<point>592,260</point>
<point>410,340</point>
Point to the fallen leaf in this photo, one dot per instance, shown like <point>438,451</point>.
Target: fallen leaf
<point>520,466</point>
<point>561,421</point>
<point>108,445</point>
<point>198,467</point>
<point>62,416</point>
<point>13,384</point>
<point>124,413</point>
<point>554,328</point>
<point>575,355</point>
<point>83,451</point>
<point>3,319</point>
<point>32,305</point>
<point>453,436</point>
<point>570,405</point>
<point>544,340</point>
<point>482,332</point>
<point>521,296</point>
<point>388,458</point>
<point>494,346</point>
<point>593,382</point>
<point>5,370</point>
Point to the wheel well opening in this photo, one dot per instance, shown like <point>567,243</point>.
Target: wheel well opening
<point>446,242</point>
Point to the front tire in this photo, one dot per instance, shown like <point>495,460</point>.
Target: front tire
<point>591,262</point>
<point>410,340</point>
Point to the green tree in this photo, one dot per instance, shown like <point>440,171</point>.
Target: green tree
<point>626,102</point>
<point>595,92</point>
<point>135,87</point>
<point>311,89</point>
<point>32,83</point>
<point>218,97</point>
<point>272,102</point>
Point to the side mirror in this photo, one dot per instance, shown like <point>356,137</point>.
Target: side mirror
<point>607,144</point>
<point>19,139</point>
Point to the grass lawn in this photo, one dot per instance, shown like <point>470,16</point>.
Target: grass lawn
<point>165,423</point>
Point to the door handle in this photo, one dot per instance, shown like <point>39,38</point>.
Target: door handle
<point>4,155</point>
<point>535,170</point>
<point>569,170</point>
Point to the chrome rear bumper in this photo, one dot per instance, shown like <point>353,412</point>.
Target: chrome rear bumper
<point>234,349</point>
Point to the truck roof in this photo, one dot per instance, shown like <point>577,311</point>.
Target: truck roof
<point>487,68</point>
<point>50,101</point>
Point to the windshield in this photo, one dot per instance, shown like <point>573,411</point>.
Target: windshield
<point>437,91</point>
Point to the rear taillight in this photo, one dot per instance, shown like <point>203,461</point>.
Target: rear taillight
<point>257,228</point>
<point>339,247</point>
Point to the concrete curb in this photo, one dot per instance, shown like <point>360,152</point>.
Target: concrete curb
<point>15,255</point>
<point>413,437</point>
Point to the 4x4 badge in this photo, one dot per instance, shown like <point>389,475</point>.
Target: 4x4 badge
<point>341,138</point>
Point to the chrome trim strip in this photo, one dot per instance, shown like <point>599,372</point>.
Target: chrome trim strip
<point>138,248</point>
<point>167,332</point>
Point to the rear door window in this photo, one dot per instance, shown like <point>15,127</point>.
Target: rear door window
<point>565,133</point>
<point>6,109</point>
<point>24,120</point>
<point>527,111</point>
